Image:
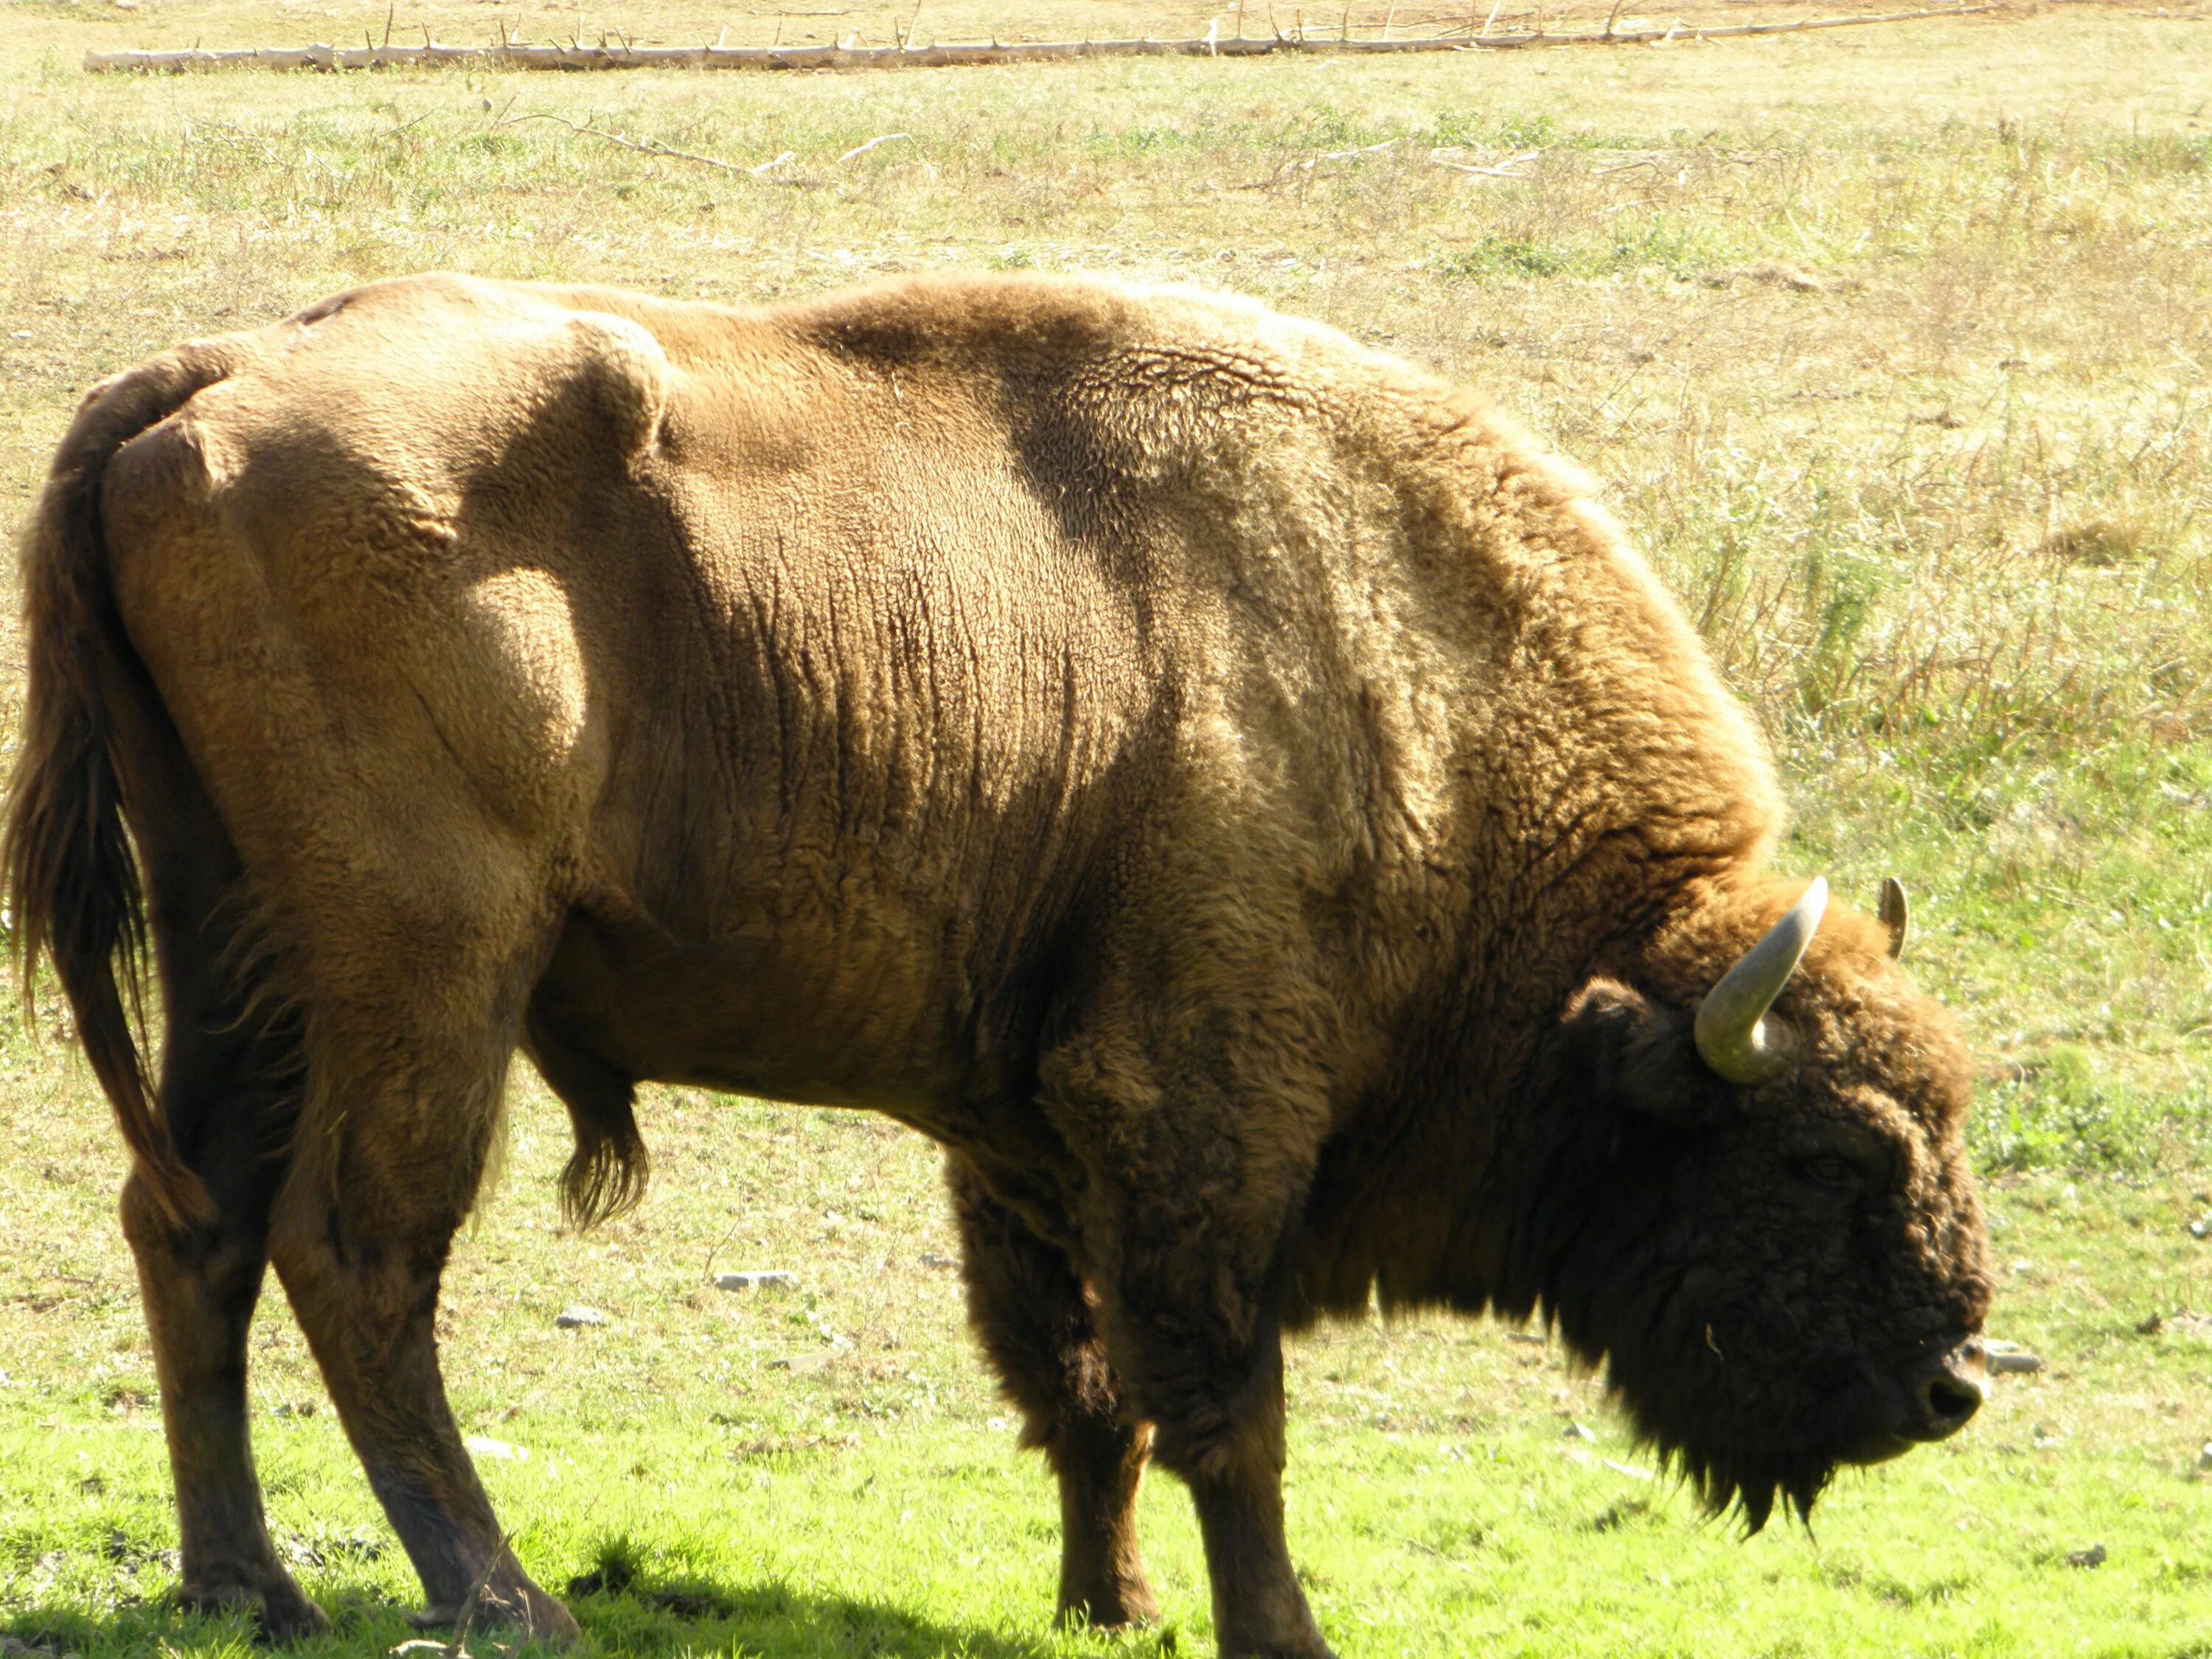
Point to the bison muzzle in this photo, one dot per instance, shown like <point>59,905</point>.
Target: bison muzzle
<point>1239,795</point>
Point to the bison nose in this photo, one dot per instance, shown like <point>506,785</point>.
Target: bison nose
<point>1947,1390</point>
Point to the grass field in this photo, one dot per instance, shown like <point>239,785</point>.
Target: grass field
<point>1891,346</point>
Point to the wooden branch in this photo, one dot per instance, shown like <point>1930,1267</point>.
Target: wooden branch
<point>859,150</point>
<point>1503,170</point>
<point>577,55</point>
<point>642,146</point>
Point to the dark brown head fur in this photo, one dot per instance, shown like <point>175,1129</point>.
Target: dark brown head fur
<point>1766,1273</point>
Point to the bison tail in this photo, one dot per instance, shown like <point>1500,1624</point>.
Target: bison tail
<point>72,877</point>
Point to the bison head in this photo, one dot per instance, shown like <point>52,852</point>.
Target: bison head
<point>1773,1245</point>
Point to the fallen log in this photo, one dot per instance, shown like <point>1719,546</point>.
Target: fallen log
<point>622,55</point>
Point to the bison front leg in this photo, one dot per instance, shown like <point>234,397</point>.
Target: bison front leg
<point>1235,1481</point>
<point>389,1162</point>
<point>1185,1254</point>
<point>1030,1316</point>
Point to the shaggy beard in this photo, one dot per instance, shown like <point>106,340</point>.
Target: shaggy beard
<point>1745,1489</point>
<point>1741,1482</point>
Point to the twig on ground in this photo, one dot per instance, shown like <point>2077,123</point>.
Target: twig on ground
<point>862,149</point>
<point>708,1273</point>
<point>643,146</point>
<point>1503,170</point>
<point>474,1600</point>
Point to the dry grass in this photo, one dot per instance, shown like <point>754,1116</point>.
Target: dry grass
<point>1890,345</point>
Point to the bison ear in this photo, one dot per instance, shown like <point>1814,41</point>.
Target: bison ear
<point>1639,1056</point>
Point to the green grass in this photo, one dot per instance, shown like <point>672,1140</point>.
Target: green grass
<point>1889,346</point>
<point>823,1471</point>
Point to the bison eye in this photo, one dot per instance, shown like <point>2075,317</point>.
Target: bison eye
<point>1830,1170</point>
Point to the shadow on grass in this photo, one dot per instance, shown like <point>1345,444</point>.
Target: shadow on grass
<point>620,1612</point>
<point>623,1609</point>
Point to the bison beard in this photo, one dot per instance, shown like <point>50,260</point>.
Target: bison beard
<point>1238,793</point>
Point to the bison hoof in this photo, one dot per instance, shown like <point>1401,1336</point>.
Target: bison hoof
<point>281,1614</point>
<point>1128,1608</point>
<point>1315,1649</point>
<point>1291,1635</point>
<point>523,1608</point>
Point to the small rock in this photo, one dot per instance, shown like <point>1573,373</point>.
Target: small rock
<point>302,1553</point>
<point>2010,1357</point>
<point>1534,1339</point>
<point>484,1446</point>
<point>2204,1457</point>
<point>2201,1227</point>
<point>2092,1557</point>
<point>800,1364</point>
<point>1628,1469</point>
<point>773,1279</point>
<point>2149,1326</point>
<point>571,1319</point>
<point>1576,1431</point>
<point>930,1259</point>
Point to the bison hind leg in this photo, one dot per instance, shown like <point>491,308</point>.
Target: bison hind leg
<point>229,1093</point>
<point>606,1173</point>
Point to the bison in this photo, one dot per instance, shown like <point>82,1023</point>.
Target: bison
<point>1238,793</point>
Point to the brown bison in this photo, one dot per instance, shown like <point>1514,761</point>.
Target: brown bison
<point>1238,793</point>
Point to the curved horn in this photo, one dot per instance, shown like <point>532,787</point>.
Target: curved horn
<point>1896,914</point>
<point>1732,1032</point>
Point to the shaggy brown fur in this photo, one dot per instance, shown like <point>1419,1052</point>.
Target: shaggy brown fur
<point>1237,792</point>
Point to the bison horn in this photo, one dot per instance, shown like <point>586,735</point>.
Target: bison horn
<point>1896,914</point>
<point>1733,1035</point>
